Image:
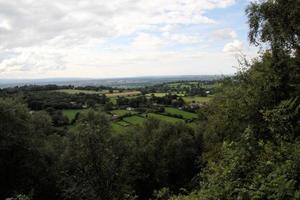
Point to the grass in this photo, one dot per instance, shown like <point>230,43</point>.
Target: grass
<point>135,120</point>
<point>157,94</point>
<point>113,100</point>
<point>76,91</point>
<point>71,113</point>
<point>162,94</point>
<point>123,94</point>
<point>192,99</point>
<point>122,123</point>
<point>122,112</point>
<point>116,128</point>
<point>184,114</point>
<point>165,118</point>
<point>106,92</point>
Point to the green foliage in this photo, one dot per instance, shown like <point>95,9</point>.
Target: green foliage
<point>252,134</point>
<point>25,164</point>
<point>276,22</point>
<point>160,153</point>
<point>88,165</point>
<point>184,114</point>
<point>20,197</point>
<point>71,113</point>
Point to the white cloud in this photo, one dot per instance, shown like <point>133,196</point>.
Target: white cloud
<point>146,42</point>
<point>52,37</point>
<point>5,24</point>
<point>233,47</point>
<point>181,38</point>
<point>225,34</point>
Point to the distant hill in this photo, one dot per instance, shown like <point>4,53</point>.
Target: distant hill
<point>113,82</point>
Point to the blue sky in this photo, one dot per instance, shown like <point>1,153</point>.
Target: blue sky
<point>121,38</point>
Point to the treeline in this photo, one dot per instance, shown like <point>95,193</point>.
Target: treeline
<point>59,100</point>
<point>49,87</point>
<point>143,101</point>
<point>189,88</point>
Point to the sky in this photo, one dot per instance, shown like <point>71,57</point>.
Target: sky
<point>121,38</point>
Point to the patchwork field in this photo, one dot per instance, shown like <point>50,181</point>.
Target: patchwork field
<point>71,113</point>
<point>134,120</point>
<point>76,91</point>
<point>162,94</point>
<point>195,99</point>
<point>122,112</point>
<point>165,118</point>
<point>157,94</point>
<point>123,123</point>
<point>115,93</point>
<point>117,128</point>
<point>123,94</point>
<point>184,114</point>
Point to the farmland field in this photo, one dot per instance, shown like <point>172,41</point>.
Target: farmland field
<point>71,113</point>
<point>106,92</point>
<point>76,91</point>
<point>157,94</point>
<point>162,94</point>
<point>184,114</point>
<point>116,128</point>
<point>122,123</point>
<point>123,94</point>
<point>165,118</point>
<point>122,112</point>
<point>135,120</point>
<point>192,99</point>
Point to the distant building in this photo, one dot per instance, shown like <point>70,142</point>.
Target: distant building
<point>115,117</point>
<point>129,109</point>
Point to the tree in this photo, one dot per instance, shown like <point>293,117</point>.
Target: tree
<point>88,165</point>
<point>163,155</point>
<point>25,163</point>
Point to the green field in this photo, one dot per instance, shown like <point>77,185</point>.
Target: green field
<point>116,128</point>
<point>162,94</point>
<point>196,99</point>
<point>106,92</point>
<point>122,123</point>
<point>165,118</point>
<point>135,120</point>
<point>157,94</point>
<point>184,114</point>
<point>113,100</point>
<point>122,112</point>
<point>123,94</point>
<point>76,91</point>
<point>71,113</point>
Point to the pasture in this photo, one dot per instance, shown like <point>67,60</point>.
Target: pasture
<point>195,99</point>
<point>76,91</point>
<point>123,94</point>
<point>184,114</point>
<point>134,120</point>
<point>162,94</point>
<point>117,128</point>
<point>71,113</point>
<point>165,118</point>
<point>122,112</point>
<point>115,93</point>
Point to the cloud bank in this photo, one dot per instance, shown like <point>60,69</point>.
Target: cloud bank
<point>99,38</point>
